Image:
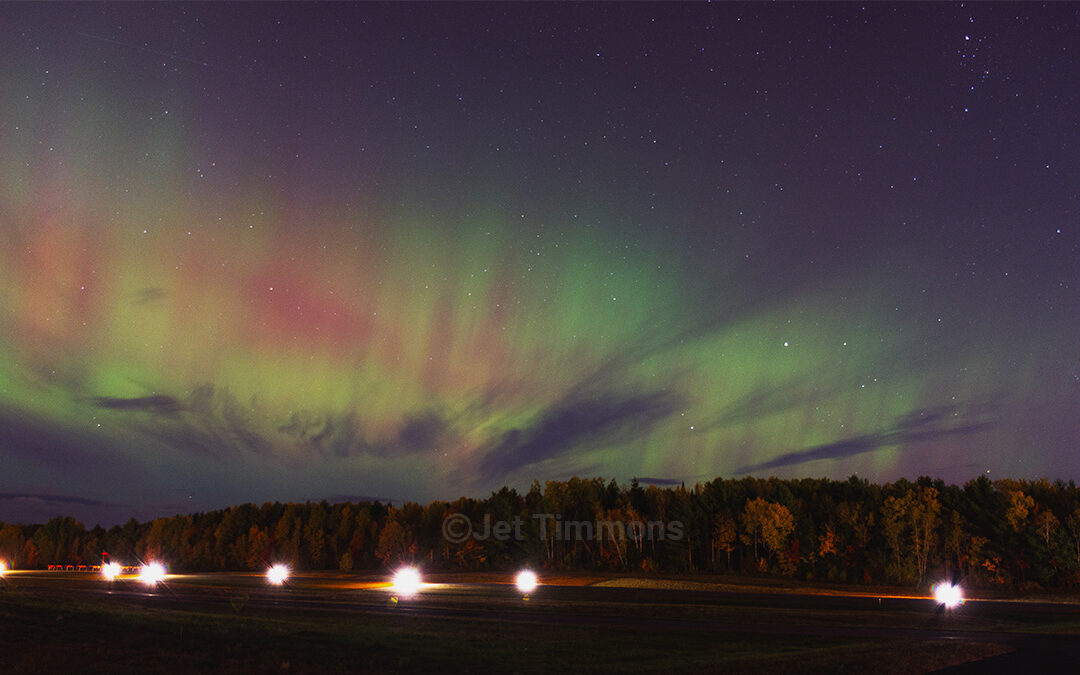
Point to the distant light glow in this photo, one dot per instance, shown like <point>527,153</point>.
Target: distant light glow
<point>111,570</point>
<point>526,581</point>
<point>277,574</point>
<point>407,581</point>
<point>152,573</point>
<point>948,595</point>
<point>3,567</point>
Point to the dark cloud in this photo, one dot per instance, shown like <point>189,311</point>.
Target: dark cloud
<point>360,499</point>
<point>209,422</point>
<point>213,422</point>
<point>421,432</point>
<point>342,435</point>
<point>916,427</point>
<point>218,416</point>
<point>158,404</point>
<point>303,425</point>
<point>34,508</point>
<point>58,499</point>
<point>659,481</point>
<point>148,295</point>
<point>574,422</point>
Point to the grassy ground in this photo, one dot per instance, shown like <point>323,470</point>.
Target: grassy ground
<point>49,632</point>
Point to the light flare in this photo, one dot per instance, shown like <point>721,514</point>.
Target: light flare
<point>278,574</point>
<point>948,595</point>
<point>526,581</point>
<point>407,581</point>
<point>111,570</point>
<point>152,573</point>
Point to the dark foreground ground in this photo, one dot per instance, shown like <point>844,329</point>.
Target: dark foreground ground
<point>69,622</point>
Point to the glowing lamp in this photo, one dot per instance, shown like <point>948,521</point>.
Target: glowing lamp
<point>277,574</point>
<point>407,581</point>
<point>152,573</point>
<point>526,581</point>
<point>948,595</point>
<point>111,570</point>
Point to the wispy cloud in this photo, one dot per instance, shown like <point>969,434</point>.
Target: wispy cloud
<point>57,499</point>
<point>155,404</point>
<point>919,426</point>
<point>659,481</point>
<point>149,295</point>
<point>573,422</point>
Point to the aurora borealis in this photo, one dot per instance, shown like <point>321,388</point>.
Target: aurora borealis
<point>284,252</point>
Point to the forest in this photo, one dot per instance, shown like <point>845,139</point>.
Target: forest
<point>1010,534</point>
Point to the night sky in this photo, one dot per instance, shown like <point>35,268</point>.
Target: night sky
<point>276,252</point>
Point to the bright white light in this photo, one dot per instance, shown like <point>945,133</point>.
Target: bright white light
<point>526,581</point>
<point>407,581</point>
<point>111,570</point>
<point>3,567</point>
<point>277,574</point>
<point>152,573</point>
<point>948,595</point>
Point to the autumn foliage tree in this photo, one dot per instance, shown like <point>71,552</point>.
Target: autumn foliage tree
<point>1018,534</point>
<point>768,523</point>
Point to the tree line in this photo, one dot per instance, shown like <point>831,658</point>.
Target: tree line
<point>1005,533</point>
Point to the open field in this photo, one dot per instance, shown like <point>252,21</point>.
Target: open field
<point>336,623</point>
